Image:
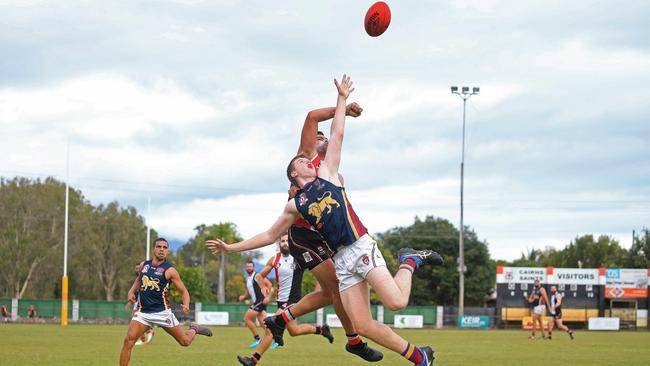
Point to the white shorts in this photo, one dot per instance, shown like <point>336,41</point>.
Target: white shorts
<point>539,309</point>
<point>353,262</point>
<point>165,319</point>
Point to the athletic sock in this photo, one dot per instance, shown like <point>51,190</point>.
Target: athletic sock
<point>354,340</point>
<point>409,264</point>
<point>256,357</point>
<point>413,354</point>
<point>319,330</point>
<point>257,337</point>
<point>286,317</point>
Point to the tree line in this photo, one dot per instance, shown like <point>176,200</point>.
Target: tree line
<point>106,241</point>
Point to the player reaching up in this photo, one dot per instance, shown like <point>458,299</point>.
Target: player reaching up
<point>322,201</point>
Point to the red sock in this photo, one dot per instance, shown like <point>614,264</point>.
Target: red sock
<point>413,354</point>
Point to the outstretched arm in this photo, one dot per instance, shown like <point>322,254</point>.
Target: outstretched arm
<point>330,169</point>
<point>308,138</point>
<point>281,225</point>
<point>175,278</point>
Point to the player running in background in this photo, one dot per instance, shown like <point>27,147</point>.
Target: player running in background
<point>538,299</point>
<point>323,202</point>
<point>153,302</point>
<point>288,276</point>
<point>556,314</point>
<point>5,313</point>
<point>259,290</point>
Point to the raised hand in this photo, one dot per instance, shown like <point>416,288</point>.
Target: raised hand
<point>345,87</point>
<point>216,246</point>
<point>353,110</point>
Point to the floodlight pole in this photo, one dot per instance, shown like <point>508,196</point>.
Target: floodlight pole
<point>464,94</point>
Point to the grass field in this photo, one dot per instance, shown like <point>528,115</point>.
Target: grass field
<point>39,344</point>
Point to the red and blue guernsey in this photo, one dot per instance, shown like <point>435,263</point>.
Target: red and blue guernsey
<point>154,288</point>
<point>326,207</point>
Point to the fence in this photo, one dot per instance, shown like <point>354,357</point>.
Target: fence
<point>97,311</point>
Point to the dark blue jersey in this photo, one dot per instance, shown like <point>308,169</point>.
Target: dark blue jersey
<point>326,207</point>
<point>153,295</point>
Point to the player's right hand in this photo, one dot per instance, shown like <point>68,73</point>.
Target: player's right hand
<point>353,110</point>
<point>345,87</point>
<point>217,245</point>
<point>241,298</point>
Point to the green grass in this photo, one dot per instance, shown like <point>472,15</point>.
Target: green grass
<point>38,344</point>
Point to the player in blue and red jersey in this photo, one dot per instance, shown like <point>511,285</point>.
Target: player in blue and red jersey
<point>153,306</point>
<point>323,202</point>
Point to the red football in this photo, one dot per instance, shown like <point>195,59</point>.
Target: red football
<point>377,19</point>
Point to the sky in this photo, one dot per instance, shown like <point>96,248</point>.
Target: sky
<point>198,105</point>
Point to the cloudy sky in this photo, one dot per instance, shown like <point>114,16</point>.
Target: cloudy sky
<point>199,104</point>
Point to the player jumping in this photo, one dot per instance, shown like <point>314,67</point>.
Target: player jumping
<point>323,202</point>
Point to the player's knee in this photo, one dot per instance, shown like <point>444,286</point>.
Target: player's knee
<point>129,342</point>
<point>184,342</point>
<point>396,304</point>
<point>292,332</point>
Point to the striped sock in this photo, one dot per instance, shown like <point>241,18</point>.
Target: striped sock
<point>287,316</point>
<point>413,354</point>
<point>353,339</point>
<point>256,357</point>
<point>409,264</point>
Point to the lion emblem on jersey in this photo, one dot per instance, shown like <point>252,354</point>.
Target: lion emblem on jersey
<point>150,283</point>
<point>325,202</point>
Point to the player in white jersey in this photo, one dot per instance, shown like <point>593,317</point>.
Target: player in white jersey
<point>288,275</point>
<point>259,290</point>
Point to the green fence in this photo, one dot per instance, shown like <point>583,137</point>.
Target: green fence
<point>115,310</point>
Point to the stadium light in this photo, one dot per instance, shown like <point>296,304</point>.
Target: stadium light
<point>464,95</point>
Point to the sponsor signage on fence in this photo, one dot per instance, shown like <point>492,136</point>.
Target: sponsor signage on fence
<point>212,318</point>
<point>523,274</point>
<point>527,322</point>
<point>576,276</point>
<point>473,321</point>
<point>333,321</point>
<point>626,283</point>
<point>604,323</point>
<point>409,321</point>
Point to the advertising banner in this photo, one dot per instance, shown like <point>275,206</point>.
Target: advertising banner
<point>473,321</point>
<point>527,323</point>
<point>212,318</point>
<point>604,324</point>
<point>333,321</point>
<point>408,321</point>
<point>626,283</point>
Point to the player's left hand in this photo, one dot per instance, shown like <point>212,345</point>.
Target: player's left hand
<point>353,110</point>
<point>217,245</point>
<point>266,301</point>
<point>185,309</point>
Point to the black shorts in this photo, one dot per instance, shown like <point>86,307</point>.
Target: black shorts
<point>558,314</point>
<point>308,247</point>
<point>258,306</point>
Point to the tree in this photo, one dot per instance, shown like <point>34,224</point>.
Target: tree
<point>639,255</point>
<point>439,285</point>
